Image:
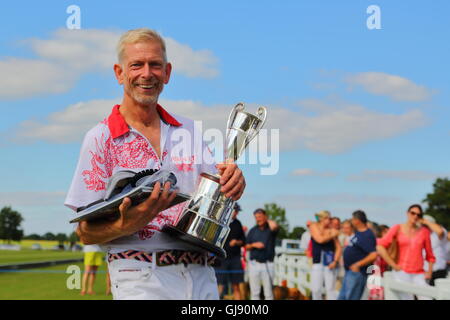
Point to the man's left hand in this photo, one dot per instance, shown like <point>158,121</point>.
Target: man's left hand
<point>354,267</point>
<point>232,180</point>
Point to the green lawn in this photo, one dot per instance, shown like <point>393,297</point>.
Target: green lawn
<point>47,284</point>
<point>28,255</point>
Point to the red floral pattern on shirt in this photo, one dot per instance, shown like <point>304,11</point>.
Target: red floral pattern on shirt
<point>169,216</point>
<point>108,155</point>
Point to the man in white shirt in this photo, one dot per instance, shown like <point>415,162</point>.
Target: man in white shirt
<point>140,134</point>
<point>439,246</point>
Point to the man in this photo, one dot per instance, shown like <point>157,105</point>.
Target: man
<point>145,263</point>
<point>261,245</point>
<point>439,245</point>
<point>359,253</point>
<point>230,269</point>
<point>306,237</point>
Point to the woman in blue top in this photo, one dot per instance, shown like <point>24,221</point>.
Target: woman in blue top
<point>326,252</point>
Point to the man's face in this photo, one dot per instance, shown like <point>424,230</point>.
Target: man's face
<point>260,218</point>
<point>143,71</point>
<point>234,215</point>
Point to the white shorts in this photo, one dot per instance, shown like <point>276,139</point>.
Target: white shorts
<point>138,280</point>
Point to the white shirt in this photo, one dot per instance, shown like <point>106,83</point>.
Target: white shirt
<point>439,247</point>
<point>113,146</point>
<point>304,240</point>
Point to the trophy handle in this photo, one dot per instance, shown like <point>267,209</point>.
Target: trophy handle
<point>233,113</point>
<point>261,113</point>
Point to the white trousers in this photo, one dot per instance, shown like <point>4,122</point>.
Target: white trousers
<point>260,274</point>
<point>319,275</point>
<point>415,278</point>
<point>138,280</point>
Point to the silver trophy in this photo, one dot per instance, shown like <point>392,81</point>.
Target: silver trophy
<point>205,220</point>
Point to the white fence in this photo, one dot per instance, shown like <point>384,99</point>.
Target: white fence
<point>296,271</point>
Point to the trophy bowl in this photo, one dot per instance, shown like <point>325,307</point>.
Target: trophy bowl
<point>205,220</point>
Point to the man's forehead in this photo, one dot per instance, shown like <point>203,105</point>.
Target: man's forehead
<point>143,50</point>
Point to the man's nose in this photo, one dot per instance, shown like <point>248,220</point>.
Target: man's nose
<point>146,71</point>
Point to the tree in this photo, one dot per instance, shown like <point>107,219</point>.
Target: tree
<point>49,236</point>
<point>278,214</point>
<point>73,238</point>
<point>61,238</point>
<point>296,233</point>
<point>10,221</point>
<point>33,236</point>
<point>438,202</point>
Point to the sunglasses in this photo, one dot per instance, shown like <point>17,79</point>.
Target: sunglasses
<point>416,214</point>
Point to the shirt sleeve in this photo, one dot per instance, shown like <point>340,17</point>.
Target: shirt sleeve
<point>389,237</point>
<point>429,255</point>
<point>90,177</point>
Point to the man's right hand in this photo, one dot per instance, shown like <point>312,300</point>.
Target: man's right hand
<point>134,218</point>
<point>258,245</point>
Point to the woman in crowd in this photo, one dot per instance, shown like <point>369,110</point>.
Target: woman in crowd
<point>411,238</point>
<point>326,252</point>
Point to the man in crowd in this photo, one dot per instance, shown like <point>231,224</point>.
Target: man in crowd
<point>230,270</point>
<point>439,245</point>
<point>261,245</point>
<point>145,263</point>
<point>359,253</point>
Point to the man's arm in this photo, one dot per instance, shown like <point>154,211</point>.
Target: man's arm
<point>322,238</point>
<point>364,262</point>
<point>131,220</point>
<point>436,228</point>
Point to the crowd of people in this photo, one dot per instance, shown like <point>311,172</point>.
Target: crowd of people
<point>342,255</point>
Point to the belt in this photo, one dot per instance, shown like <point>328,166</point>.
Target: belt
<point>166,258</point>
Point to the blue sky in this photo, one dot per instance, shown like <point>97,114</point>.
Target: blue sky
<point>362,113</point>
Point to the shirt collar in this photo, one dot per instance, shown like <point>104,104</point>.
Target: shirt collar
<point>117,125</point>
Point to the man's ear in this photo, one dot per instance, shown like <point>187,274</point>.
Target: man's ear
<point>168,72</point>
<point>118,71</point>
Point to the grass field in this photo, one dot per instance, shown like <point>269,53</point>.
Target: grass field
<point>47,284</point>
<point>45,244</point>
<point>27,255</point>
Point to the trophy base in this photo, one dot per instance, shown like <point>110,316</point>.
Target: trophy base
<point>177,233</point>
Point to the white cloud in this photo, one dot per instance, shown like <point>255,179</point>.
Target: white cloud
<point>380,175</point>
<point>68,125</point>
<point>392,86</point>
<point>63,58</point>
<point>23,78</point>
<point>305,172</point>
<point>331,131</point>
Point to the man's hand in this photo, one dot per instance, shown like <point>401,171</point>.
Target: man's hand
<point>232,180</point>
<point>133,219</point>
<point>354,267</point>
<point>233,242</point>
<point>258,245</point>
<point>428,275</point>
<point>272,225</point>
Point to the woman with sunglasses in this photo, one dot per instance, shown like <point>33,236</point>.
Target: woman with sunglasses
<point>412,239</point>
